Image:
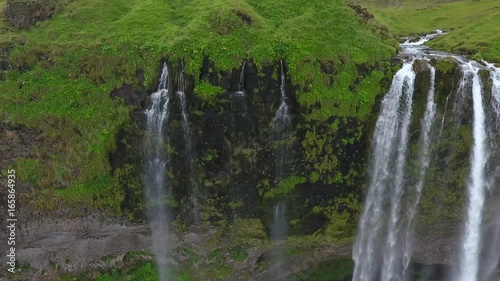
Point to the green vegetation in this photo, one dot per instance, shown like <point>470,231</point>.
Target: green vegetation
<point>286,186</point>
<point>66,67</point>
<point>474,26</point>
<point>335,270</point>
<point>238,254</point>
<point>207,92</point>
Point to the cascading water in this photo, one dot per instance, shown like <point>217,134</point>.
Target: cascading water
<point>189,152</point>
<point>155,172</point>
<point>495,92</point>
<point>471,240</point>
<point>238,99</point>
<point>391,268</point>
<point>444,115</point>
<point>424,153</point>
<point>282,126</point>
<point>384,245</point>
<point>490,266</point>
<point>241,85</point>
<point>389,153</point>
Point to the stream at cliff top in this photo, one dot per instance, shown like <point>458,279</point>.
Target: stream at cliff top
<point>383,249</point>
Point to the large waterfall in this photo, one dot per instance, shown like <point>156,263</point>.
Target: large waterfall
<point>424,161</point>
<point>384,245</point>
<point>389,153</point>
<point>155,171</point>
<point>469,259</point>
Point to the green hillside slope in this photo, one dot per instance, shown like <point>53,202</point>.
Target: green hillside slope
<point>474,25</point>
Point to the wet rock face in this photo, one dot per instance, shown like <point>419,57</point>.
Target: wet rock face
<point>24,14</point>
<point>129,94</point>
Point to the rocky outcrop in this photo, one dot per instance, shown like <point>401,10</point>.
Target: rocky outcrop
<point>24,14</point>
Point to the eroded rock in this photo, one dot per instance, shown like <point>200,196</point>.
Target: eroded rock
<point>24,14</point>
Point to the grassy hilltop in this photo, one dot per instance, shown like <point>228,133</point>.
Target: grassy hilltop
<point>474,25</point>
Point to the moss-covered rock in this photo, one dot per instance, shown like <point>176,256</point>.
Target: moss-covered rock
<point>26,13</point>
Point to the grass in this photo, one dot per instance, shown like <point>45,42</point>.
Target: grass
<point>474,25</point>
<point>91,47</point>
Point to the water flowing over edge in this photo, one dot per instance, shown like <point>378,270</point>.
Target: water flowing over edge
<point>155,172</point>
<point>388,132</point>
<point>469,259</point>
<point>424,153</point>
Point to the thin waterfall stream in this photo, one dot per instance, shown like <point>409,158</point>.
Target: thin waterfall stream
<point>282,126</point>
<point>238,98</point>
<point>189,153</point>
<point>155,172</point>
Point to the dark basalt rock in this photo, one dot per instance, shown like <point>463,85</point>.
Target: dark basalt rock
<point>327,67</point>
<point>4,55</point>
<point>24,14</point>
<point>129,94</point>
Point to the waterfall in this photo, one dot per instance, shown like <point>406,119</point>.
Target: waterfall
<point>389,156</point>
<point>188,150</point>
<point>238,99</point>
<point>278,236</point>
<point>469,256</point>
<point>155,172</point>
<point>444,115</point>
<point>391,269</point>
<point>424,153</point>
<point>491,236</point>
<point>282,126</point>
<point>495,92</point>
<point>383,248</point>
<point>185,119</point>
<point>241,85</point>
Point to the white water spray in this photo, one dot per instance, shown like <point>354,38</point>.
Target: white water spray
<point>155,172</point>
<point>424,153</point>
<point>469,258</point>
<point>390,132</point>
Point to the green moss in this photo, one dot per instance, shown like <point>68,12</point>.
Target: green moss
<point>333,270</point>
<point>235,204</point>
<point>218,269</point>
<point>90,48</point>
<point>143,271</point>
<point>29,170</point>
<point>446,66</point>
<point>248,232</point>
<point>101,193</point>
<point>207,91</point>
<point>238,254</point>
<point>286,186</point>
<point>313,177</point>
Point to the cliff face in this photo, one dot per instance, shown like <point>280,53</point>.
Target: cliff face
<point>235,180</point>
<point>235,149</point>
<point>74,117</point>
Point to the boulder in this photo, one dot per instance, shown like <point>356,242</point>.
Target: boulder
<point>24,14</point>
